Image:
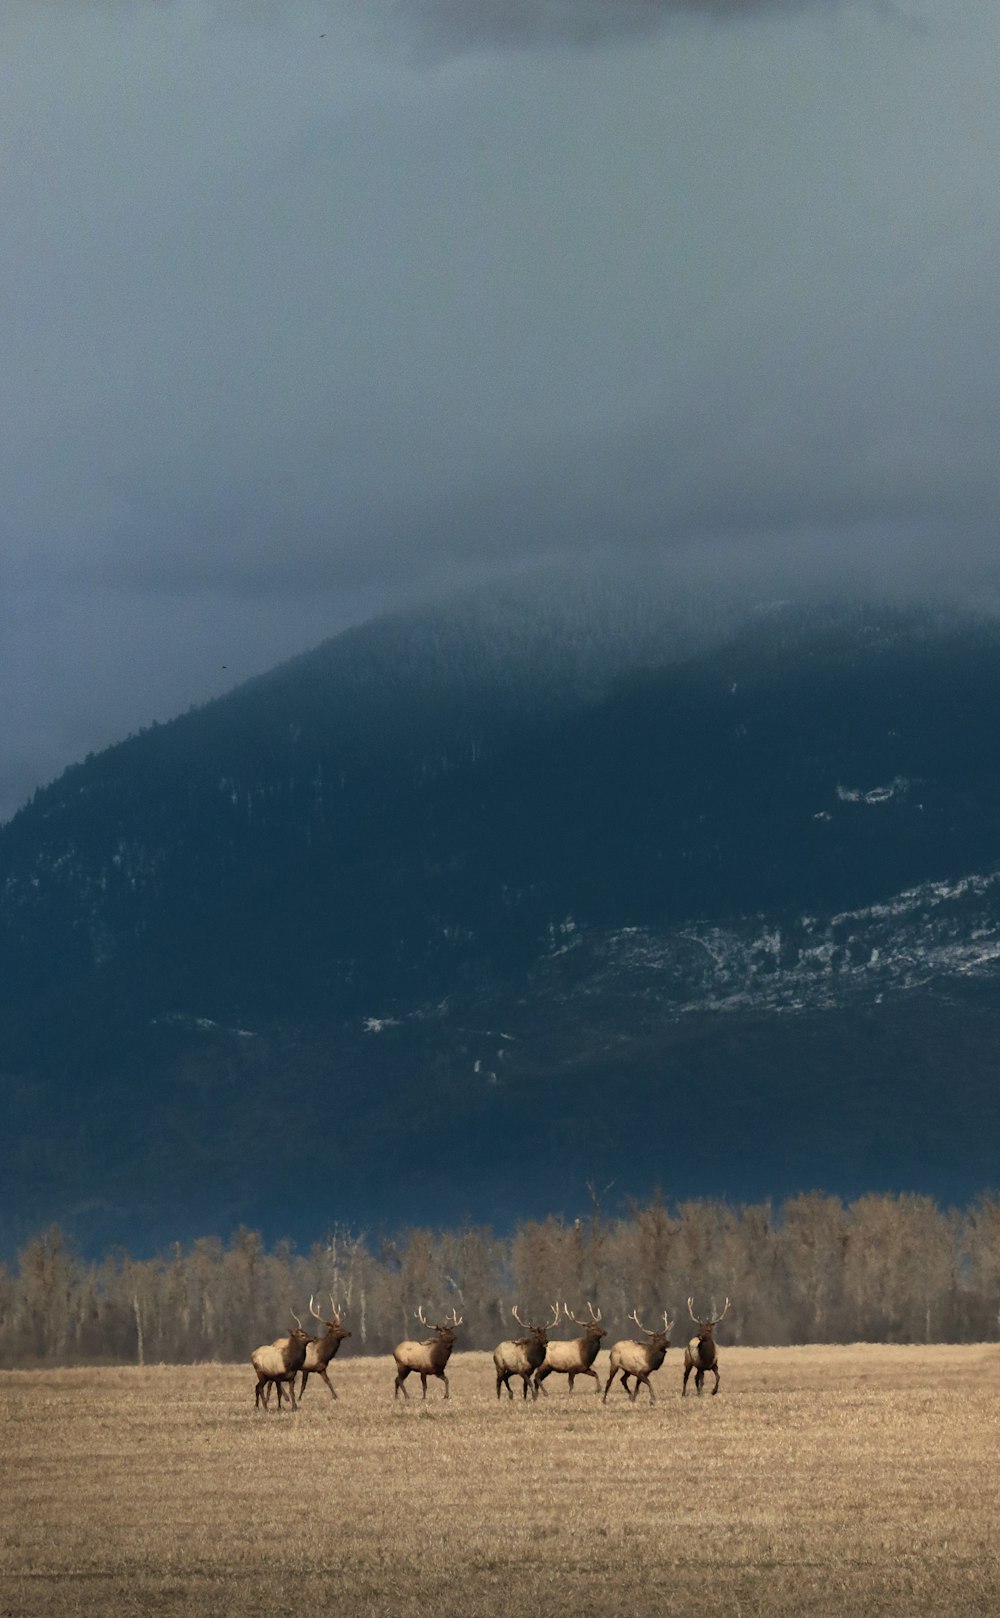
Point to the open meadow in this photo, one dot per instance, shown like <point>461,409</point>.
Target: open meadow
<point>821,1481</point>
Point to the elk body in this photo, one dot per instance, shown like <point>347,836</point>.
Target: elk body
<point>320,1350</point>
<point>639,1359</point>
<point>523,1355</point>
<point>280,1363</point>
<point>574,1358</point>
<point>700,1355</point>
<point>427,1358</point>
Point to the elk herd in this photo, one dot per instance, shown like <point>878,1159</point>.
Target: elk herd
<point>533,1357</point>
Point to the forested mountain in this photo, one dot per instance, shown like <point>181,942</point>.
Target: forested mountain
<point>476,904</point>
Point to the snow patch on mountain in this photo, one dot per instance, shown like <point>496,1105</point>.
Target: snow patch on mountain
<point>897,788</point>
<point>939,930</point>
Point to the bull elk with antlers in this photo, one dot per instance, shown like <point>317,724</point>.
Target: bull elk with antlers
<point>576,1357</point>
<point>427,1358</point>
<point>320,1350</point>
<point>639,1359</point>
<point>280,1362</point>
<point>523,1355</point>
<point>700,1355</point>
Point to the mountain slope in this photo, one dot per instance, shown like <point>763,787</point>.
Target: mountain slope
<point>464,909</point>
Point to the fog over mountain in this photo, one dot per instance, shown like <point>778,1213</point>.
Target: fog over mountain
<point>317,309</point>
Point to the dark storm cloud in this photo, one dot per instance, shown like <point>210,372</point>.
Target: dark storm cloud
<point>313,306</point>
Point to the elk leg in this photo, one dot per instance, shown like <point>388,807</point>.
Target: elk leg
<point>540,1376</point>
<point>608,1384</point>
<point>649,1385</point>
<point>305,1379</point>
<point>572,1379</point>
<point>321,1372</point>
<point>588,1370</point>
<point>444,1379</point>
<point>525,1379</point>
<point>715,1390</point>
<point>423,1384</point>
<point>500,1383</point>
<point>401,1377</point>
<point>687,1373</point>
<point>699,1380</point>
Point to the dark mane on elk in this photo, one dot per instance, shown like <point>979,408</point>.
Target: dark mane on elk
<point>427,1358</point>
<point>575,1357</point>
<point>522,1356</point>
<point>701,1354</point>
<point>639,1360</point>
<point>280,1363</point>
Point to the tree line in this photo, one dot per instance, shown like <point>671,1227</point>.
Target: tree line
<point>881,1268</point>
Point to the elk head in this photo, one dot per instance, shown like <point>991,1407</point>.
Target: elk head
<point>334,1328</point>
<point>705,1327</point>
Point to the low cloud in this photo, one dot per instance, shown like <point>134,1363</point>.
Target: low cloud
<point>315,306</point>
<point>523,24</point>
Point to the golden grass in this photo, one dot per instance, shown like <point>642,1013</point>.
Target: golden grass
<point>832,1481</point>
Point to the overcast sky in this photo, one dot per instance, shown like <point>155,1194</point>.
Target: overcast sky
<point>314,306</point>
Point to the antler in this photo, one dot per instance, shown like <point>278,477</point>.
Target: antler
<point>668,1325</point>
<point>455,1319</point>
<point>549,1324</point>
<point>698,1322</point>
<point>313,1310</point>
<point>420,1316</point>
<point>334,1310</point>
<point>595,1319</point>
<point>567,1311</point>
<point>296,1319</point>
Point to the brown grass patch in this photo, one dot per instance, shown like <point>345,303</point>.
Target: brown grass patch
<point>820,1481</point>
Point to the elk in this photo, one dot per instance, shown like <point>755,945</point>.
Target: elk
<point>321,1350</point>
<point>427,1358</point>
<point>280,1362</point>
<point>575,1358</point>
<point>522,1356</point>
<point>639,1359</point>
<point>700,1355</point>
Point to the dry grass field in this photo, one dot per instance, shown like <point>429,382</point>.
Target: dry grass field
<point>820,1481</point>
